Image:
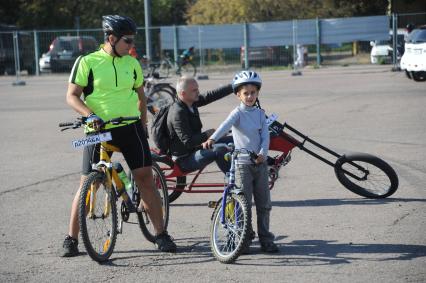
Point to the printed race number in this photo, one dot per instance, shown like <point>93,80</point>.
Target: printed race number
<point>93,139</point>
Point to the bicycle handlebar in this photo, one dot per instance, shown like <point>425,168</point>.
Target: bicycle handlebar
<point>235,152</point>
<point>65,124</point>
<point>82,121</point>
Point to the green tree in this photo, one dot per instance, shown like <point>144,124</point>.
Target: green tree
<point>236,11</point>
<point>57,14</point>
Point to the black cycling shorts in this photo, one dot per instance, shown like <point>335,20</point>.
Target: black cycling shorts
<point>132,142</point>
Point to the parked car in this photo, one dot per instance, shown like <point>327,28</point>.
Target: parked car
<point>267,56</point>
<point>381,50</point>
<point>7,55</point>
<point>413,62</point>
<point>64,50</point>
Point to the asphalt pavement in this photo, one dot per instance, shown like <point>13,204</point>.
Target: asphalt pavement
<point>325,233</point>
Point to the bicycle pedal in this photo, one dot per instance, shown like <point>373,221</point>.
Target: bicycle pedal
<point>212,204</point>
<point>120,227</point>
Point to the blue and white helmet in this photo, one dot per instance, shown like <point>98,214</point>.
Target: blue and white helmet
<point>246,77</point>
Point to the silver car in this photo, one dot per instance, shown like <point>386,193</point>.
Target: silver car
<point>63,52</point>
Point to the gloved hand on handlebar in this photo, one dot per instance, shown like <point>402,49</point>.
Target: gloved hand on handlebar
<point>94,121</point>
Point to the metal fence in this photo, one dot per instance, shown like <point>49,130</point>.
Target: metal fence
<point>283,44</point>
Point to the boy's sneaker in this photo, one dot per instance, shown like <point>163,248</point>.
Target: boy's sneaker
<point>165,243</point>
<point>269,247</point>
<point>70,247</point>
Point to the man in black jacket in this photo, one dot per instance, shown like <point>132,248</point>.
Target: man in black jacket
<point>184,125</point>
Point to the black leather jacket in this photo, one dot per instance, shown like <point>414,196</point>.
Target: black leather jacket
<point>185,126</point>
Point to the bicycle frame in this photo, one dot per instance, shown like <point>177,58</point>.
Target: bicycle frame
<point>231,185</point>
<point>287,142</point>
<point>176,171</point>
<point>111,175</point>
<point>280,141</point>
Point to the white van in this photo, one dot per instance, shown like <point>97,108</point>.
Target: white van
<point>413,62</point>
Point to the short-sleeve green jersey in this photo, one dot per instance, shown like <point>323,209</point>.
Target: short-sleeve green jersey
<point>108,83</point>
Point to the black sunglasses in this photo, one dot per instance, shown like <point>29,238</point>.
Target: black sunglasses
<point>128,40</point>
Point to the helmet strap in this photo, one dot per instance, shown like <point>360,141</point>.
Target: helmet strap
<point>115,51</point>
<point>113,47</point>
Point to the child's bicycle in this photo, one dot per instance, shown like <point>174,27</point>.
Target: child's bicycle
<point>100,192</point>
<point>229,232</point>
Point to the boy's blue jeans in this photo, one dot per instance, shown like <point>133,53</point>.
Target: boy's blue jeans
<point>202,157</point>
<point>253,179</point>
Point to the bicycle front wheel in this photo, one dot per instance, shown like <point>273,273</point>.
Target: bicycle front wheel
<point>160,97</point>
<point>98,217</point>
<point>229,236</point>
<point>188,69</point>
<point>366,175</point>
<point>145,222</point>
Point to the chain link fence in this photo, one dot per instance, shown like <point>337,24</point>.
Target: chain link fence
<point>218,48</point>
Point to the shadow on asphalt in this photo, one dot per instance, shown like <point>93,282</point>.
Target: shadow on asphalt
<point>320,252</point>
<point>195,250</point>
<point>324,202</point>
<point>345,201</point>
<point>295,253</point>
<point>190,204</point>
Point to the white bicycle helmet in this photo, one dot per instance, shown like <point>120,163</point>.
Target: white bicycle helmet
<point>246,77</point>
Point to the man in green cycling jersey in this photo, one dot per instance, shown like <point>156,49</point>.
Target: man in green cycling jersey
<point>111,84</point>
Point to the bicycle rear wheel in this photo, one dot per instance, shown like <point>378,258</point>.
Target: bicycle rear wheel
<point>188,69</point>
<point>98,217</point>
<point>160,97</point>
<point>228,239</point>
<point>164,69</point>
<point>377,179</point>
<point>145,222</point>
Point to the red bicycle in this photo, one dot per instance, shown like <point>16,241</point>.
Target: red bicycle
<point>363,174</point>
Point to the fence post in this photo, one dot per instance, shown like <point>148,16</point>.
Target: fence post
<point>36,53</point>
<point>147,8</point>
<point>318,24</point>
<point>175,45</point>
<point>295,72</point>
<point>394,41</point>
<point>201,75</point>
<point>18,82</point>
<point>246,46</point>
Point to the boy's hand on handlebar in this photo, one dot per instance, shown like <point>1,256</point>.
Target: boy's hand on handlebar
<point>260,159</point>
<point>208,144</point>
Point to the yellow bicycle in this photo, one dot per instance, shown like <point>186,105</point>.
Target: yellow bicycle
<point>98,216</point>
